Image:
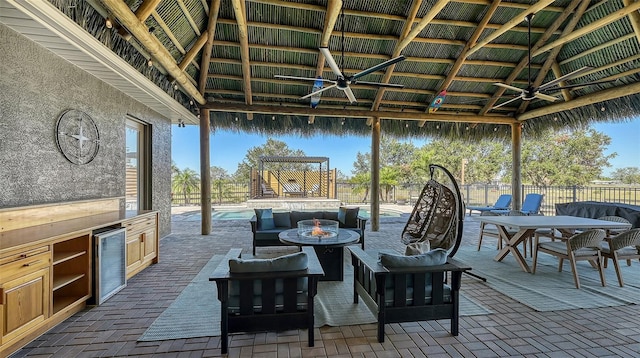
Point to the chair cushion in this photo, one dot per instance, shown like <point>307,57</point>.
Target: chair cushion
<point>265,219</point>
<point>304,215</point>
<point>560,247</point>
<point>348,217</point>
<point>417,248</point>
<point>431,258</point>
<point>292,262</point>
<point>282,220</point>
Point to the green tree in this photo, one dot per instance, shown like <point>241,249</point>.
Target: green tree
<point>362,164</point>
<point>219,180</point>
<point>272,147</point>
<point>565,158</point>
<point>388,179</point>
<point>362,182</point>
<point>184,183</point>
<point>628,175</point>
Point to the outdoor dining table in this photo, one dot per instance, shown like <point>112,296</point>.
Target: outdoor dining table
<point>527,225</point>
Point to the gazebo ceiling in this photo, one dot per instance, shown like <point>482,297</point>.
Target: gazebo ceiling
<point>223,55</point>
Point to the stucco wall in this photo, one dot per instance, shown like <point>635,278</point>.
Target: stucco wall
<point>36,86</point>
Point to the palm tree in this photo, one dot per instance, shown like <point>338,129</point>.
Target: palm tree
<point>185,182</point>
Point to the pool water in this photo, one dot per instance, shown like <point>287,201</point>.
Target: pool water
<point>246,214</point>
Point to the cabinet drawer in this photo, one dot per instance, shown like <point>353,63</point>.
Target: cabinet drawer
<point>26,263</point>
<point>139,224</point>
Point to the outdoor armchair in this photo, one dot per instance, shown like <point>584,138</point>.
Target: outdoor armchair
<point>503,203</point>
<point>625,246</point>
<point>583,246</point>
<point>267,294</point>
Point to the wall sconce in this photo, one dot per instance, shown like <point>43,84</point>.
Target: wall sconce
<point>108,23</point>
<point>181,123</point>
<point>150,62</point>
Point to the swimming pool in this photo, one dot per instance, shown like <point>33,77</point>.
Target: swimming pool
<point>246,214</point>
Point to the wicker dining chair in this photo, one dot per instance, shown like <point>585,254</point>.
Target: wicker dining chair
<point>580,247</point>
<point>624,246</point>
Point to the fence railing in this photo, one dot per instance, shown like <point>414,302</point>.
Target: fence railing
<point>473,194</point>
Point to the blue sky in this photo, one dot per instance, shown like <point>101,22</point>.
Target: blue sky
<point>229,148</point>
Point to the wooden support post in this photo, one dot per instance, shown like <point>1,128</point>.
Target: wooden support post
<point>516,178</point>
<point>205,171</point>
<point>375,174</point>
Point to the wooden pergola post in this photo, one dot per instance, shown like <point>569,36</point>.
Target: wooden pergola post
<point>205,172</point>
<point>516,178</point>
<point>375,174</point>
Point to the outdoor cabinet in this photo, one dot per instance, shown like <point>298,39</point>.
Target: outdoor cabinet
<point>142,242</point>
<point>24,292</point>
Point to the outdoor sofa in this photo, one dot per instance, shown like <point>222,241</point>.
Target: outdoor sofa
<point>265,233</point>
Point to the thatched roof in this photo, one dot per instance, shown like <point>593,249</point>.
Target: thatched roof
<point>223,55</point>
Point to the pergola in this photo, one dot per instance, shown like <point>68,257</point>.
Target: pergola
<point>217,60</point>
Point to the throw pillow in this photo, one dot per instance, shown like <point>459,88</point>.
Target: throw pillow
<point>417,248</point>
<point>431,258</point>
<point>265,219</point>
<point>348,217</point>
<point>291,262</point>
<point>282,219</point>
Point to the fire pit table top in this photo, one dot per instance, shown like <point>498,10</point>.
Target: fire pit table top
<point>344,237</point>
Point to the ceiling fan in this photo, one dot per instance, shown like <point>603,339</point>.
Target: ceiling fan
<point>531,92</point>
<point>343,81</point>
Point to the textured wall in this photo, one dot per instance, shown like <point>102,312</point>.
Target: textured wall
<point>36,87</point>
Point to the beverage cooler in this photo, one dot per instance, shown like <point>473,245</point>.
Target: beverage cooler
<point>109,263</point>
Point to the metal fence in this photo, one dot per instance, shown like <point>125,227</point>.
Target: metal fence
<point>473,194</point>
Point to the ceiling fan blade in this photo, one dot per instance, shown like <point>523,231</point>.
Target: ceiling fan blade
<point>546,97</point>
<point>378,84</point>
<point>504,85</point>
<point>332,63</point>
<point>302,78</point>
<point>378,67</point>
<point>318,91</point>
<point>566,77</point>
<point>507,102</point>
<point>580,85</point>
<point>350,95</point>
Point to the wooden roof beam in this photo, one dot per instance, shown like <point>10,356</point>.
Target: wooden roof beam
<point>634,18</point>
<point>194,50</point>
<point>351,113</point>
<point>591,98</point>
<point>330,18</point>
<point>597,48</point>
<point>142,13</point>
<point>138,29</point>
<point>415,6</point>
<point>205,59</point>
<point>615,16</point>
<point>243,35</point>
<point>413,34</point>
<point>551,58</point>
<point>525,60</point>
<point>378,15</point>
<point>465,51</point>
<point>566,94</point>
<point>188,16</point>
<point>510,24</point>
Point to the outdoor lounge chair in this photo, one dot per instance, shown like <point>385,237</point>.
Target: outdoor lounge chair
<point>267,191</point>
<point>292,189</point>
<point>583,246</point>
<point>503,203</point>
<point>530,206</point>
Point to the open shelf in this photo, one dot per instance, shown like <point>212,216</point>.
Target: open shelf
<point>62,256</point>
<point>60,281</point>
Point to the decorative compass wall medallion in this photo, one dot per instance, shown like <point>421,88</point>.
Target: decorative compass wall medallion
<point>77,137</point>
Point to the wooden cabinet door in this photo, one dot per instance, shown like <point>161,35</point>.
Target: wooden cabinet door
<point>149,245</point>
<point>24,302</point>
<point>134,252</point>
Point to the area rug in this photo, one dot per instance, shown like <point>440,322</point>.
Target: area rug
<point>196,311</point>
<point>548,289</point>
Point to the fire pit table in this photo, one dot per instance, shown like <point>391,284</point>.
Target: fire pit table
<point>329,247</point>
